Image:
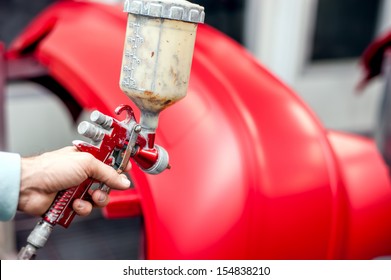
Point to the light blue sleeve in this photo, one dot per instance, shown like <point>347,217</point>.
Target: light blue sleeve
<point>10,167</point>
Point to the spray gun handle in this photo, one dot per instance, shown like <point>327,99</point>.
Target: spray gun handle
<point>61,211</point>
<point>108,135</point>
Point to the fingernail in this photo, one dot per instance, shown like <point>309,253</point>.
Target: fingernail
<point>102,197</point>
<point>80,204</point>
<point>125,181</point>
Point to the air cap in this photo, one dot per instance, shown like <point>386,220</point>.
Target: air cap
<point>170,9</point>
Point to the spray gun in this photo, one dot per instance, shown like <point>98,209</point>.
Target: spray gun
<point>156,63</point>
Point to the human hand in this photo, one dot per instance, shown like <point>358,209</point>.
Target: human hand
<point>43,176</point>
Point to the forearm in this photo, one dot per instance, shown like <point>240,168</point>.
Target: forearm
<point>10,169</point>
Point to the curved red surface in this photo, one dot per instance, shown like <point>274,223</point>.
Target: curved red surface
<point>254,174</point>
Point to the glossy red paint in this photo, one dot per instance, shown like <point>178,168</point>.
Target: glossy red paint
<point>254,174</point>
<point>368,204</point>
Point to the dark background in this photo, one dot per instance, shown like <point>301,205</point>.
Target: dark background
<point>225,15</point>
<point>343,29</point>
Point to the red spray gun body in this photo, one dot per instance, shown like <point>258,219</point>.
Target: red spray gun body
<point>113,142</point>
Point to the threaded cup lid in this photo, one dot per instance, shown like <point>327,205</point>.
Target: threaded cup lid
<point>170,9</point>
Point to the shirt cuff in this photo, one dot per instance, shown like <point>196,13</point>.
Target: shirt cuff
<point>10,168</point>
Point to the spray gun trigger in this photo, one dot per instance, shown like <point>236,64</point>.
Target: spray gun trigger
<point>85,147</point>
<point>129,148</point>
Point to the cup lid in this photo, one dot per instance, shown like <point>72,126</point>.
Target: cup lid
<point>170,9</point>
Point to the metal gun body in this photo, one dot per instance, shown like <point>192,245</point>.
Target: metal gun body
<point>114,143</point>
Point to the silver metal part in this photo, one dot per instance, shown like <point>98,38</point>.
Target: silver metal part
<point>161,164</point>
<point>40,234</point>
<point>90,131</point>
<point>128,152</point>
<point>36,240</point>
<point>170,9</point>
<point>27,252</point>
<point>101,119</point>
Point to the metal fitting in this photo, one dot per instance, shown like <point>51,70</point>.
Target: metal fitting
<point>161,164</point>
<point>169,9</point>
<point>90,131</point>
<point>101,119</point>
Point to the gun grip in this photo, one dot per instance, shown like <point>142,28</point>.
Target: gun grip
<point>61,211</point>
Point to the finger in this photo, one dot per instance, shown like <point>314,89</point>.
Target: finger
<point>67,150</point>
<point>124,177</point>
<point>100,198</point>
<point>107,175</point>
<point>82,207</point>
<point>128,167</point>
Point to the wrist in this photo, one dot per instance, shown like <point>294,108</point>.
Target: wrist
<point>29,186</point>
<point>10,167</point>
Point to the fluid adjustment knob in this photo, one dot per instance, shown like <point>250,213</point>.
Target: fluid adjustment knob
<point>91,131</point>
<point>161,164</point>
<point>101,119</point>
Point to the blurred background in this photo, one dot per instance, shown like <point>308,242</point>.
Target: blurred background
<point>312,45</point>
